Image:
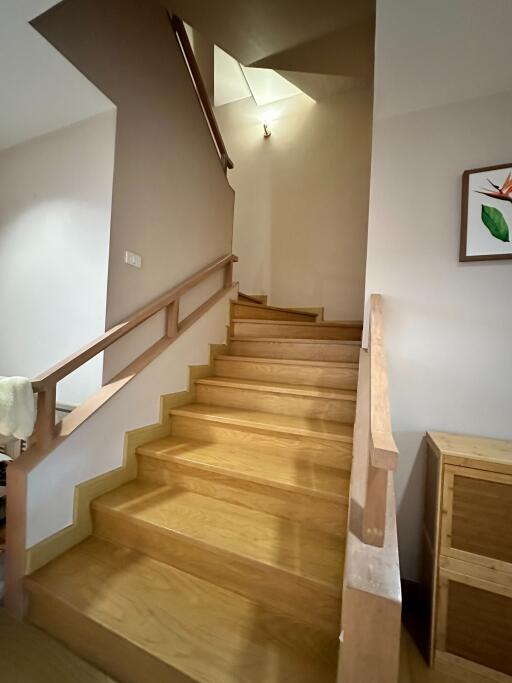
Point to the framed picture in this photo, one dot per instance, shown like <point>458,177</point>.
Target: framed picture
<point>486,227</point>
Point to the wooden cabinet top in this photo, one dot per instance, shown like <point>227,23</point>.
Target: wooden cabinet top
<point>473,451</point>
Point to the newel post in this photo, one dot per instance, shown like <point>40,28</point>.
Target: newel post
<point>171,319</point>
<point>45,422</point>
<point>228,274</point>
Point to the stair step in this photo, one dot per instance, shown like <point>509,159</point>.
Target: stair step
<point>266,558</point>
<point>143,621</point>
<point>284,399</point>
<point>304,491</point>
<point>347,331</point>
<point>306,372</point>
<point>321,441</point>
<point>242,310</point>
<point>296,349</point>
<point>255,299</point>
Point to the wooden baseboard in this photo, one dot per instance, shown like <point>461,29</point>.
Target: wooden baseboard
<point>48,549</point>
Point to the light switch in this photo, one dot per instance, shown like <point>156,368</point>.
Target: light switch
<point>132,259</point>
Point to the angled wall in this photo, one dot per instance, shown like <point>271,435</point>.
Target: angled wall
<point>171,202</point>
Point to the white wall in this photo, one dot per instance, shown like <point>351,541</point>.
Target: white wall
<point>97,446</point>
<point>55,202</point>
<point>302,198</point>
<point>448,325</point>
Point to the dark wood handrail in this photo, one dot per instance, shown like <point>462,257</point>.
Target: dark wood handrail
<point>202,93</point>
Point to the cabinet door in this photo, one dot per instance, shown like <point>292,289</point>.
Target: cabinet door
<point>474,626</point>
<point>477,517</point>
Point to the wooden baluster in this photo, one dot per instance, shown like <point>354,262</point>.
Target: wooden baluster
<point>171,320</point>
<point>228,274</point>
<point>374,515</point>
<point>224,161</point>
<point>45,422</point>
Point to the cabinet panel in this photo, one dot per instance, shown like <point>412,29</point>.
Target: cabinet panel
<point>477,517</point>
<point>474,623</point>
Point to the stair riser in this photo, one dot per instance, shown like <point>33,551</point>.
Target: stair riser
<point>334,378</point>
<point>295,350</point>
<point>114,655</point>
<point>261,313</point>
<point>326,515</point>
<point>280,404</point>
<point>274,587</point>
<point>322,452</point>
<point>295,331</point>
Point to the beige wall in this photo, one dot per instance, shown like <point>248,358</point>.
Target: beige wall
<point>302,199</point>
<point>448,324</point>
<point>55,199</point>
<point>171,202</point>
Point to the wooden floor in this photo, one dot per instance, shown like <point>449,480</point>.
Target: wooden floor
<point>27,655</point>
<point>413,668</point>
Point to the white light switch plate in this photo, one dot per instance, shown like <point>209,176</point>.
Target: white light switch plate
<point>132,259</point>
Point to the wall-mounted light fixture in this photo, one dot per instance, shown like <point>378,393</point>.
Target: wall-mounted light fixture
<point>266,131</point>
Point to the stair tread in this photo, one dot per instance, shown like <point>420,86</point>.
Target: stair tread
<point>295,340</point>
<point>277,387</point>
<point>242,532</point>
<point>351,365</point>
<point>261,467</point>
<point>287,424</point>
<point>206,632</point>
<point>323,323</point>
<point>261,306</point>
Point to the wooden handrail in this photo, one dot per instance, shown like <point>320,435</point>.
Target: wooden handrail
<point>202,93</point>
<point>383,452</point>
<point>45,385</point>
<point>371,604</point>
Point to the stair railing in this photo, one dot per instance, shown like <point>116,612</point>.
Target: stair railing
<point>371,605</point>
<point>48,434</point>
<point>200,88</point>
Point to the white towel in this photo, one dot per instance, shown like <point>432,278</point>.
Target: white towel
<point>17,407</point>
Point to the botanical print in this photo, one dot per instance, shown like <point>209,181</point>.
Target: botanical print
<point>493,218</point>
<point>487,214</point>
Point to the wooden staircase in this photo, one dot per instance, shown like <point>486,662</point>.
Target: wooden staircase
<point>223,561</point>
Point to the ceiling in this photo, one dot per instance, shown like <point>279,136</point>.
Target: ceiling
<point>233,82</point>
<point>285,46</point>
<point>40,91</point>
<point>319,48</point>
<point>253,31</point>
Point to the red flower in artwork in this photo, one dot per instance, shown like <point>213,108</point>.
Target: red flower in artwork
<point>504,192</point>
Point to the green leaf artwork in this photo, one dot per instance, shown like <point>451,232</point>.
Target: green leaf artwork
<point>494,220</point>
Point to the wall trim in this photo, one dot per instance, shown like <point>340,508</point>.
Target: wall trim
<point>81,527</point>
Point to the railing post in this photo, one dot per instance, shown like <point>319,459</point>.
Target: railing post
<point>228,274</point>
<point>374,515</point>
<point>45,422</point>
<point>171,319</point>
<point>224,161</point>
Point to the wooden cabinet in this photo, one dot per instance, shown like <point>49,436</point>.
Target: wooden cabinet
<point>467,539</point>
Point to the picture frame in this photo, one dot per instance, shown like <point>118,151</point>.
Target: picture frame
<point>486,214</point>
